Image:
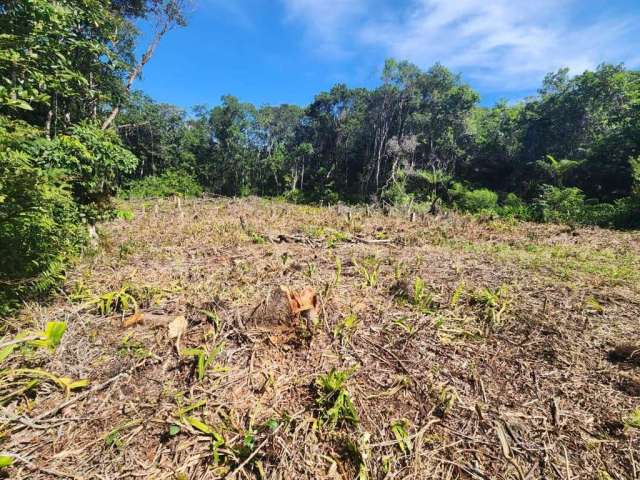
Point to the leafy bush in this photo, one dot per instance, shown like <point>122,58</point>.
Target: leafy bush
<point>481,200</point>
<point>561,205</point>
<point>39,221</point>
<point>514,207</point>
<point>396,192</point>
<point>173,182</point>
<point>428,185</point>
<point>97,161</point>
<point>627,212</point>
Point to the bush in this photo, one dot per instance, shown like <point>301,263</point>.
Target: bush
<point>514,207</point>
<point>97,161</point>
<point>561,205</point>
<point>170,183</point>
<point>481,200</point>
<point>40,225</point>
<point>627,212</point>
<point>427,185</point>
<point>396,193</point>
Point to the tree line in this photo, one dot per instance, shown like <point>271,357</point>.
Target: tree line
<point>73,133</point>
<point>570,153</point>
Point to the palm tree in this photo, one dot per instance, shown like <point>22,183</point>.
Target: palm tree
<point>558,169</point>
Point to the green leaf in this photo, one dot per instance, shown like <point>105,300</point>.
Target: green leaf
<point>6,351</point>
<point>199,425</point>
<point>52,335</point>
<point>5,461</point>
<point>174,430</point>
<point>272,424</point>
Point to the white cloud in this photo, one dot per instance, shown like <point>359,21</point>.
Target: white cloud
<point>500,44</point>
<point>326,21</point>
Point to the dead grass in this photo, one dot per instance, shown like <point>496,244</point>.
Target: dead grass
<point>463,349</point>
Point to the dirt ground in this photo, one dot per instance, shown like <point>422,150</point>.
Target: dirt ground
<point>444,347</point>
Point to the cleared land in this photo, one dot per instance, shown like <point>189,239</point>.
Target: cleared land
<point>476,349</point>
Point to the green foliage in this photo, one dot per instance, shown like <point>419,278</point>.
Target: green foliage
<point>494,305</point>
<point>39,222</point>
<point>400,432</point>
<point>96,161</point>
<point>396,192</point>
<point>203,358</point>
<point>52,335</point>
<point>562,205</point>
<point>633,419</point>
<point>477,201</point>
<point>333,399</point>
<point>61,53</point>
<point>514,207</point>
<point>170,183</point>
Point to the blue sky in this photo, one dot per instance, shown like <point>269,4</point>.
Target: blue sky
<point>286,51</point>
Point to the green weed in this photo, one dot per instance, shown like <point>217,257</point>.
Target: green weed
<point>369,268</point>
<point>346,327</point>
<point>494,303</point>
<point>400,428</point>
<point>203,358</point>
<point>116,301</point>
<point>333,399</point>
<point>633,419</point>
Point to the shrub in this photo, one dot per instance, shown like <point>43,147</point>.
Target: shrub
<point>514,207</point>
<point>396,192</point>
<point>173,182</point>
<point>481,200</point>
<point>97,161</point>
<point>627,212</point>
<point>39,221</point>
<point>428,185</point>
<point>561,205</point>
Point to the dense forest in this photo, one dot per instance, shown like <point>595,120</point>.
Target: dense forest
<point>73,133</point>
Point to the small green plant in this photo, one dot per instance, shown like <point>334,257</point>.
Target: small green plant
<point>311,269</point>
<point>359,452</point>
<point>120,300</point>
<point>421,299</point>
<point>49,338</point>
<point>257,238</point>
<point>400,428</point>
<point>203,358</point>
<point>447,398</point>
<point>214,318</point>
<point>123,214</point>
<point>369,268</point>
<point>336,237</point>
<point>404,323</point>
<point>494,303</point>
<point>114,437</point>
<point>338,276</point>
<point>346,327</point>
<point>457,294</point>
<point>633,419</point>
<point>217,439</point>
<point>333,399</point>
<point>133,348</point>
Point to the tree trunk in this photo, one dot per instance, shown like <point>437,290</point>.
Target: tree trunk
<point>47,125</point>
<point>138,69</point>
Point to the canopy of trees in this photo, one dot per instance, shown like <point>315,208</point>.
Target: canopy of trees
<point>420,133</point>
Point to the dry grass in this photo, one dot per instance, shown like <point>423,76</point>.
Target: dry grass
<point>472,350</point>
